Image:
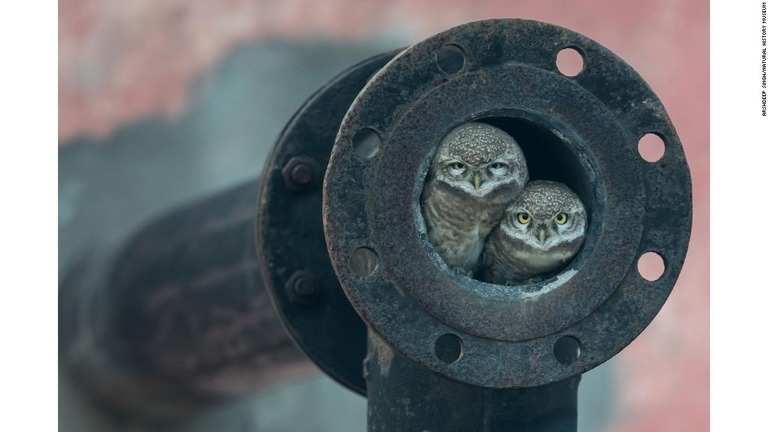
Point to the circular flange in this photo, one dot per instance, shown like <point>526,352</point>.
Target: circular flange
<point>289,237</point>
<point>526,335</point>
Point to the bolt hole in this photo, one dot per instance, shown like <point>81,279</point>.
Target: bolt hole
<point>449,348</point>
<point>365,261</point>
<point>366,143</point>
<point>651,266</point>
<point>570,62</point>
<point>567,350</point>
<point>651,147</point>
<point>450,59</point>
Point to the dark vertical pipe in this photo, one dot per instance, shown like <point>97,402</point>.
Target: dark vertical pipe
<point>405,397</point>
<point>177,317</point>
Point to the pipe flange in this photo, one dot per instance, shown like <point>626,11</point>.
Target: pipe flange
<point>582,130</point>
<point>289,236</point>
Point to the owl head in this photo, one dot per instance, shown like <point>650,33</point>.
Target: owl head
<point>477,158</point>
<point>546,216</point>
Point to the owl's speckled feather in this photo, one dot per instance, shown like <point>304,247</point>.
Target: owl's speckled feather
<point>477,143</point>
<point>476,171</point>
<point>517,252</point>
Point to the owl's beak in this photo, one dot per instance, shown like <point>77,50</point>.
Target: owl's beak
<point>477,181</point>
<point>542,234</point>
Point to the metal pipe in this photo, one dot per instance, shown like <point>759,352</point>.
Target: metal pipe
<point>403,396</point>
<point>453,346</point>
<point>178,317</point>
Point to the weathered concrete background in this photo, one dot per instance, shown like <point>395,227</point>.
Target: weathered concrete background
<point>164,101</point>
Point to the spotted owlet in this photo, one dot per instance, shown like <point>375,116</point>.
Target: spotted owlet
<point>541,230</point>
<point>477,171</point>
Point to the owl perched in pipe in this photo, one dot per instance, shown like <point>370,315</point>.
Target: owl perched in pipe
<point>542,229</point>
<point>477,170</point>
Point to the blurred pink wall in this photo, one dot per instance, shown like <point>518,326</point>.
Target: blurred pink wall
<point>120,60</point>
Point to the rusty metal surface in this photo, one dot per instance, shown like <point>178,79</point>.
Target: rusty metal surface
<point>405,397</point>
<point>289,236</point>
<point>582,130</point>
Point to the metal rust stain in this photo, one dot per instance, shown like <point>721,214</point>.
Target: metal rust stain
<point>384,354</point>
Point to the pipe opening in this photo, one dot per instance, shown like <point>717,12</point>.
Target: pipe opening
<point>550,156</point>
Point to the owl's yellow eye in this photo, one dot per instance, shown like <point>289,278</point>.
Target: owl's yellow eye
<point>523,218</point>
<point>458,166</point>
<point>498,169</point>
<point>561,218</point>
